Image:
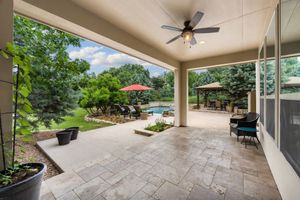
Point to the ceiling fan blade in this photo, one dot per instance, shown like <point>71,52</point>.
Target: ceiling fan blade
<point>173,39</point>
<point>171,28</point>
<point>196,19</point>
<point>207,30</point>
<point>193,41</point>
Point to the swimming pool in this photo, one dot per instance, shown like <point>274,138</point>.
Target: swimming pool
<point>160,109</point>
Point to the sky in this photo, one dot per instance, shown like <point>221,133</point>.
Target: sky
<point>102,58</point>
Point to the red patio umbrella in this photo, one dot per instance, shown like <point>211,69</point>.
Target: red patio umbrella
<point>137,88</point>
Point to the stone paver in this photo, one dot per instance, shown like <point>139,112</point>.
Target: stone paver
<point>181,163</point>
<point>69,196</point>
<point>92,171</point>
<point>170,191</point>
<point>63,183</point>
<point>117,177</point>
<point>199,192</point>
<point>124,189</point>
<point>141,196</point>
<point>91,189</point>
<point>139,168</point>
<point>150,189</point>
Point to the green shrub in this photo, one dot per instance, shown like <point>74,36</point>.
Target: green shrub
<point>101,92</point>
<point>159,126</point>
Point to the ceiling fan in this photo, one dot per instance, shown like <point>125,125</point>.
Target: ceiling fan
<point>187,33</point>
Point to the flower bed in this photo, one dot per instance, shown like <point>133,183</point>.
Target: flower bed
<point>159,126</point>
<point>108,119</point>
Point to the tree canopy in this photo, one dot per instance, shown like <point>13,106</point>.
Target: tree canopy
<point>55,77</point>
<point>129,74</point>
<point>238,80</point>
<point>102,92</point>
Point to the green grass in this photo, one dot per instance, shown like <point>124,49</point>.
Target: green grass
<point>166,99</point>
<point>76,120</point>
<point>193,99</point>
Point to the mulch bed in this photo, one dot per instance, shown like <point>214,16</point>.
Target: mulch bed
<point>27,151</point>
<point>115,119</point>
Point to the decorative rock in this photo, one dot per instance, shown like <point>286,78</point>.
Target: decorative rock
<point>90,119</point>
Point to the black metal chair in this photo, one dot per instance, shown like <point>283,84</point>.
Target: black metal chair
<point>131,111</point>
<point>121,110</point>
<point>249,120</point>
<point>137,112</point>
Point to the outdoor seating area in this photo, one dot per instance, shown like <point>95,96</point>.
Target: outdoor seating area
<point>133,100</point>
<point>245,126</point>
<point>126,110</point>
<point>217,105</point>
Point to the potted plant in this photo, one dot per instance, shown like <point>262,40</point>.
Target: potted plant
<point>19,181</point>
<point>75,131</point>
<point>64,137</point>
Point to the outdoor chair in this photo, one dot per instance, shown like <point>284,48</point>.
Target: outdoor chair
<point>249,120</point>
<point>137,111</point>
<point>218,105</point>
<point>113,110</point>
<point>121,110</point>
<point>211,105</point>
<point>132,111</point>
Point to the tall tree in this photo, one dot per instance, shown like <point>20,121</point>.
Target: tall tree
<point>55,77</point>
<point>129,74</point>
<point>238,80</point>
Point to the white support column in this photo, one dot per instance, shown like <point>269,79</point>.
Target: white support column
<point>257,85</point>
<point>181,96</point>
<point>6,35</point>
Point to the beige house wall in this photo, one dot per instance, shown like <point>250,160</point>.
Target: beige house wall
<point>6,30</point>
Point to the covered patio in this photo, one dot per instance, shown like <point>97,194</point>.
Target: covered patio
<point>184,162</point>
<point>180,163</point>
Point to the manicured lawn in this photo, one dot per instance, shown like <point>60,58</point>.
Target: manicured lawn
<point>77,120</point>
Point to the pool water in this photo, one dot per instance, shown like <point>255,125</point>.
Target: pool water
<point>159,109</point>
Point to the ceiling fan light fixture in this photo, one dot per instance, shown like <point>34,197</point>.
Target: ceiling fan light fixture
<point>188,32</point>
<point>187,36</point>
<point>202,42</point>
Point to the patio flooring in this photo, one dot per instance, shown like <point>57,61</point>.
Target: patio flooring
<point>180,163</point>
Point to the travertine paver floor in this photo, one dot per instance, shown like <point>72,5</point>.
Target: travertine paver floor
<point>98,144</point>
<point>182,163</point>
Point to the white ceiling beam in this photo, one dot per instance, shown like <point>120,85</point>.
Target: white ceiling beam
<point>222,60</point>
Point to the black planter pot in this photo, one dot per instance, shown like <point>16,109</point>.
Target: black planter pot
<point>28,189</point>
<point>64,137</point>
<point>75,131</point>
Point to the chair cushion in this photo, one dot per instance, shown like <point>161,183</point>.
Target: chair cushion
<point>233,125</point>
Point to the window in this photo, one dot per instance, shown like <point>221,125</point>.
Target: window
<point>270,80</point>
<point>290,83</point>
<point>262,85</point>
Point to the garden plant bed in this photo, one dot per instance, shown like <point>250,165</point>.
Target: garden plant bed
<point>27,151</point>
<point>112,119</point>
<point>159,126</point>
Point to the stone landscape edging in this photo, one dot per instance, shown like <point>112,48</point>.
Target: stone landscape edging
<point>89,119</point>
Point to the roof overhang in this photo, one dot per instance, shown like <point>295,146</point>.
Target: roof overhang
<point>72,17</point>
<point>69,17</point>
